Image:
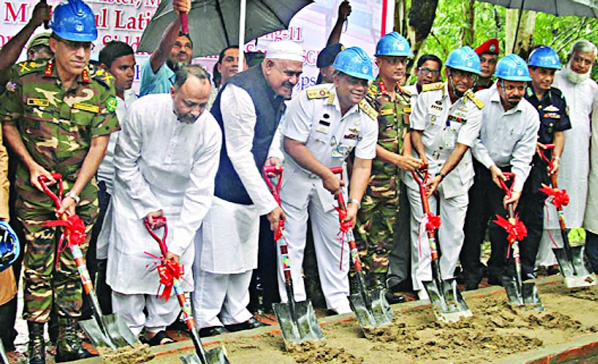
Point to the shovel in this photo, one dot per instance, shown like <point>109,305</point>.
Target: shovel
<point>297,320</point>
<point>3,356</point>
<point>446,299</point>
<point>370,306</point>
<point>170,272</point>
<point>520,294</point>
<point>103,330</point>
<point>571,258</point>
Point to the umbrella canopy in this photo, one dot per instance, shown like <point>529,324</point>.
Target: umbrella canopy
<point>586,8</point>
<point>214,24</point>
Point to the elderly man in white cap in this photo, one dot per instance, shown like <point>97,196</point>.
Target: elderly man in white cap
<point>248,110</point>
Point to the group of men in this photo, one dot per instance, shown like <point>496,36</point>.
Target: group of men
<point>191,155</point>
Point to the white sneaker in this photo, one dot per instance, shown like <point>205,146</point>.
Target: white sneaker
<point>342,309</point>
<point>422,294</point>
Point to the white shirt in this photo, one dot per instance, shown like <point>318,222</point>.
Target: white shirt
<point>329,136</point>
<point>507,138</point>
<point>239,120</point>
<point>106,169</point>
<point>443,125</point>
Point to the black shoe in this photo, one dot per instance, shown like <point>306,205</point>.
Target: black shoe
<point>178,325</point>
<point>37,345</point>
<point>212,331</point>
<point>247,325</point>
<point>393,297</point>
<point>469,286</point>
<point>496,281</point>
<point>69,348</point>
<point>528,277</point>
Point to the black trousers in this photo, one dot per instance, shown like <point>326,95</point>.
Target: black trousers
<point>485,201</point>
<point>399,259</point>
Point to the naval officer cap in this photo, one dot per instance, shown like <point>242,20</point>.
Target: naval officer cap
<point>285,49</point>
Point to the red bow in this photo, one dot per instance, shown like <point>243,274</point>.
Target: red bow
<point>169,271</point>
<point>74,232</point>
<point>345,225</point>
<point>278,232</point>
<point>433,222</point>
<point>516,230</point>
<point>558,197</point>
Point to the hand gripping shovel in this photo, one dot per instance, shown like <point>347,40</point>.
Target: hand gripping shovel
<point>520,294</point>
<point>370,306</point>
<point>571,258</point>
<point>448,304</point>
<point>297,320</point>
<point>170,272</point>
<point>103,330</point>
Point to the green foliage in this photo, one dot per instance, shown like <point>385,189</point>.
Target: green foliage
<point>556,32</point>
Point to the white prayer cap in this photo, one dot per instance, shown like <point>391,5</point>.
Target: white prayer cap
<point>285,49</point>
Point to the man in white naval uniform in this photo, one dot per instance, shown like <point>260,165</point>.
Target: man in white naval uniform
<point>445,122</point>
<point>166,161</point>
<point>581,93</point>
<point>248,110</point>
<point>323,125</point>
<point>507,143</point>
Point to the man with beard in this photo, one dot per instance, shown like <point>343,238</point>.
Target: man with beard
<point>552,108</point>
<point>323,126</point>
<point>118,58</point>
<point>377,218</point>
<point>248,110</point>
<point>488,53</point>
<point>166,160</point>
<point>507,143</point>
<point>445,123</point>
<point>581,93</point>
<point>175,50</point>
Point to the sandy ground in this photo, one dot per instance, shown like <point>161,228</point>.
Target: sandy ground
<point>495,331</point>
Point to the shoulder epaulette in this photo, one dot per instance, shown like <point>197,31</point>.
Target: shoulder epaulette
<point>407,92</point>
<point>102,76</point>
<point>433,86</point>
<point>26,67</point>
<point>472,96</point>
<point>368,109</point>
<point>318,93</point>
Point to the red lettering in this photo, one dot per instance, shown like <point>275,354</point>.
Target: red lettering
<point>102,19</point>
<point>15,16</point>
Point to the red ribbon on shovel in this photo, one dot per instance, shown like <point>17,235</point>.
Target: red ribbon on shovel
<point>433,222</point>
<point>516,229</point>
<point>169,271</point>
<point>559,198</point>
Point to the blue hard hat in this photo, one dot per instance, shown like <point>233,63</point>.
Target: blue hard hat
<point>394,45</point>
<point>74,20</point>
<point>512,68</point>
<point>354,62</point>
<point>9,245</point>
<point>544,57</point>
<point>464,59</point>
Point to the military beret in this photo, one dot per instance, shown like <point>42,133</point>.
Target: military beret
<point>328,54</point>
<point>489,46</point>
<point>41,39</point>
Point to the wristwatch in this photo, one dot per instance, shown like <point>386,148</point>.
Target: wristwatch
<point>73,196</point>
<point>442,175</point>
<point>355,201</point>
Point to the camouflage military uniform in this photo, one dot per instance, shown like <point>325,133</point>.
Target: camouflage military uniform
<point>57,127</point>
<point>377,216</point>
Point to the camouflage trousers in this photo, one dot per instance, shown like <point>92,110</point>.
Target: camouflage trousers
<point>376,221</point>
<point>51,278</point>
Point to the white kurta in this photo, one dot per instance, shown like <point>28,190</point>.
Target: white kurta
<point>161,164</point>
<point>574,167</point>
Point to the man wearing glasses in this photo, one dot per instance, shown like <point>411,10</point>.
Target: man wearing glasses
<point>445,123</point>
<point>488,52</point>
<point>57,117</point>
<point>507,143</point>
<point>377,217</point>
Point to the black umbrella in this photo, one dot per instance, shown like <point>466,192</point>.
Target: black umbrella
<point>214,24</point>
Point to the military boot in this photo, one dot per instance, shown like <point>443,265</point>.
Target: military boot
<point>37,346</point>
<point>68,347</point>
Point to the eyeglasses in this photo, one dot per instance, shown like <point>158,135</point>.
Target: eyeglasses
<point>393,61</point>
<point>74,46</point>
<point>427,71</point>
<point>463,74</point>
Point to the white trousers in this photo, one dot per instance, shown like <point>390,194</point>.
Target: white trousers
<point>333,271</point>
<point>160,313</point>
<point>449,237</point>
<point>220,299</point>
